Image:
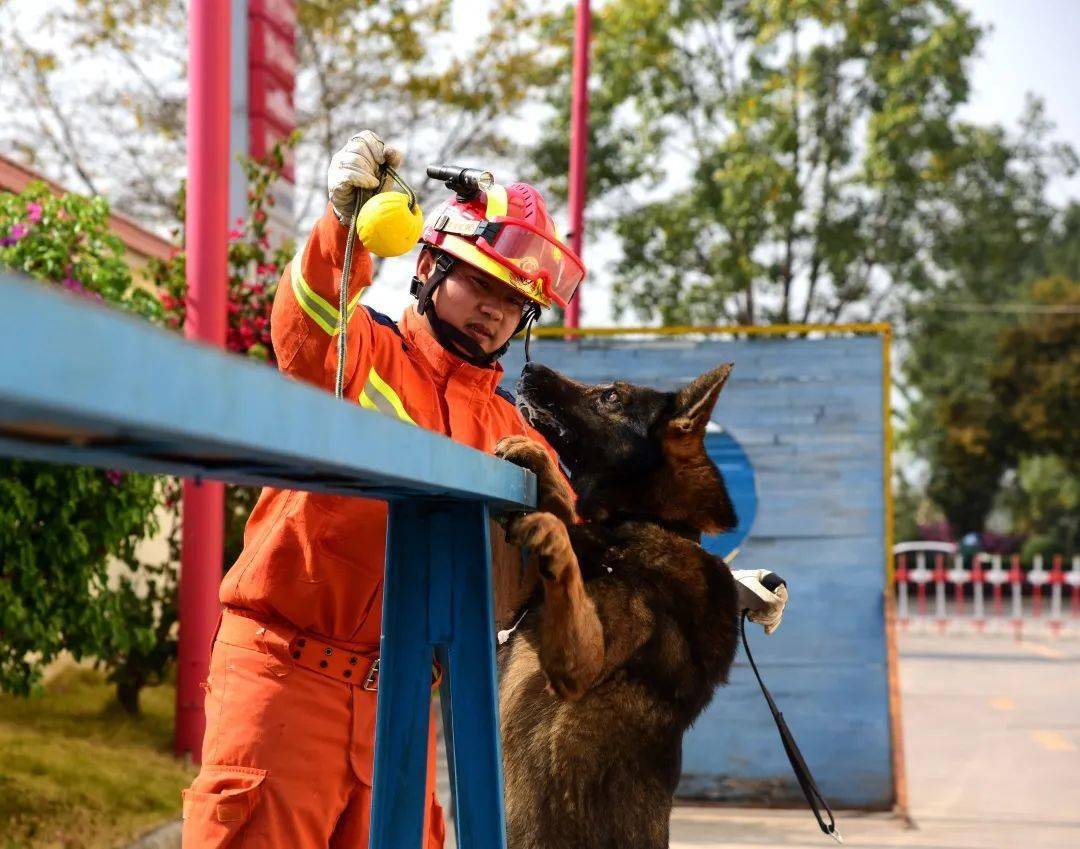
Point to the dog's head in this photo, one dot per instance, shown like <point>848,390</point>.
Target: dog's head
<point>631,450</point>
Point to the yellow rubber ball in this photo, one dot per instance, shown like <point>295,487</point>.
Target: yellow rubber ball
<point>386,225</point>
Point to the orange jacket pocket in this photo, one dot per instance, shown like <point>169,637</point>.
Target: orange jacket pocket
<point>219,804</point>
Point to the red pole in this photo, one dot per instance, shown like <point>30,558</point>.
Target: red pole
<point>209,32</point>
<point>579,144</point>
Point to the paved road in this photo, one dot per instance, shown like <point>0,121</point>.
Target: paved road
<point>992,733</point>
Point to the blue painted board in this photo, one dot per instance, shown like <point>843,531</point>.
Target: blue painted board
<point>808,415</point>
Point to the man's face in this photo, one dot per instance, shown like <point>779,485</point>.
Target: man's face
<point>485,308</point>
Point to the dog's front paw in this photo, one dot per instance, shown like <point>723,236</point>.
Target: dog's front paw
<point>553,495</point>
<point>546,535</point>
<point>525,452</point>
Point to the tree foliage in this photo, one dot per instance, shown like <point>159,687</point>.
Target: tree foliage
<point>69,575</point>
<point>955,417</point>
<point>774,161</point>
<point>399,67</point>
<point>1035,378</point>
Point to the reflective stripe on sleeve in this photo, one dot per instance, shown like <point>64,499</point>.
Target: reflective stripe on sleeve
<point>378,395</point>
<point>321,311</point>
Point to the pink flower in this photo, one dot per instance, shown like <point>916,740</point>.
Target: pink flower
<point>114,477</point>
<point>18,231</point>
<point>235,234</point>
<point>33,212</point>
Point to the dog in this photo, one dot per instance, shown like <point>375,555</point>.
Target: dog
<point>635,624</point>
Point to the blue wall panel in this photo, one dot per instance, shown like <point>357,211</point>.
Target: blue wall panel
<point>808,414</point>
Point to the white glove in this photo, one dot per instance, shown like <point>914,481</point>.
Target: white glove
<point>764,606</point>
<point>356,166</point>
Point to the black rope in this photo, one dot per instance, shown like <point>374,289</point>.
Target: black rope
<point>814,798</point>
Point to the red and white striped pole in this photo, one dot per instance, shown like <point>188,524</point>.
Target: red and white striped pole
<point>209,33</point>
<point>1057,578</point>
<point>958,576</point>
<point>939,593</point>
<point>978,575</point>
<point>579,144</point>
<point>997,578</point>
<point>1073,580</point>
<point>1037,577</point>
<point>902,592</point>
<point>1016,580</point>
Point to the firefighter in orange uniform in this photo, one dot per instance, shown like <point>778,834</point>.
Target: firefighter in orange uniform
<point>291,695</point>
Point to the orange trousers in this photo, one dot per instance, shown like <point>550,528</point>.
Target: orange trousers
<point>288,751</point>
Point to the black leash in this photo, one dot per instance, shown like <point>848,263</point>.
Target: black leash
<point>814,798</point>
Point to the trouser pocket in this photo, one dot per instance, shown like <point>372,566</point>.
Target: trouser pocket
<point>219,804</point>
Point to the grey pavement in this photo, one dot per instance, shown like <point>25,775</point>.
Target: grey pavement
<point>992,740</point>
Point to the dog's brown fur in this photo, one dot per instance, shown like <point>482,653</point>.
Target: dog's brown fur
<point>636,623</point>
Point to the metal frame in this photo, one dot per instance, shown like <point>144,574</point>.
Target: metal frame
<point>82,383</point>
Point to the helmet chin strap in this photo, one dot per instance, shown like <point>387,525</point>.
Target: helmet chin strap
<point>459,343</point>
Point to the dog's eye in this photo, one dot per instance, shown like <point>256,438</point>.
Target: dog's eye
<point>609,397</point>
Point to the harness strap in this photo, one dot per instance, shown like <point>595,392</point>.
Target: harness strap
<point>810,790</point>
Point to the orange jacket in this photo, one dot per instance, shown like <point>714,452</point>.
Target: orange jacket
<point>316,561</point>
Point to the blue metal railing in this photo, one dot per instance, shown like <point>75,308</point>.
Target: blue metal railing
<point>82,383</point>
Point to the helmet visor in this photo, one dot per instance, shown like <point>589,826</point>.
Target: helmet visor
<point>535,256</point>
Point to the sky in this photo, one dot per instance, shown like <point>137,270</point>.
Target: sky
<point>1033,46</point>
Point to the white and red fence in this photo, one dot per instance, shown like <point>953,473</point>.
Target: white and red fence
<point>939,588</point>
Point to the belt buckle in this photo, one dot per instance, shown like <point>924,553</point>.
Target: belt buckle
<point>371,682</point>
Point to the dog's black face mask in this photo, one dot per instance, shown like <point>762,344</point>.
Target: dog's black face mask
<point>596,429</point>
<point>632,451</point>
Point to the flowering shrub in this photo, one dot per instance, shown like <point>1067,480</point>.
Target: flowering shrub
<point>254,269</point>
<point>61,525</point>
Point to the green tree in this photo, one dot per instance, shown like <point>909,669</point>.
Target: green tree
<point>1034,382</point>
<point>771,161</point>
<point>62,528</point>
<point>398,67</point>
<point>1000,234</point>
<point>1035,377</point>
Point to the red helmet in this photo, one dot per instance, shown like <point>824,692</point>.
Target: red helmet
<point>506,232</point>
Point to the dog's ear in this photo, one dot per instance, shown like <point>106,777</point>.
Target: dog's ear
<point>694,404</point>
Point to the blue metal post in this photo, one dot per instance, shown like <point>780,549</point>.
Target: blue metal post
<point>404,707</point>
<point>469,693</point>
<point>437,596</point>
